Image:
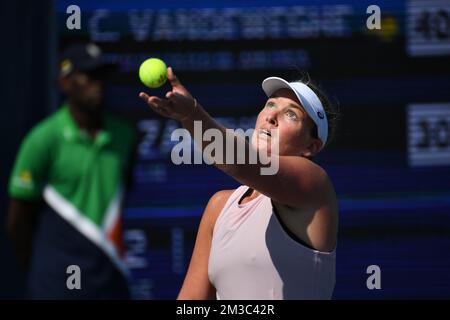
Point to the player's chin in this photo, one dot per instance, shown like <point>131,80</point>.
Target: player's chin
<point>94,106</point>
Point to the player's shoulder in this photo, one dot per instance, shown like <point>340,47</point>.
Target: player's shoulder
<point>216,204</point>
<point>45,130</point>
<point>221,197</point>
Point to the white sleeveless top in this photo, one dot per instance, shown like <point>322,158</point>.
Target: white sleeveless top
<point>252,257</point>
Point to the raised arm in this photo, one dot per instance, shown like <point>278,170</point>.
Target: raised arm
<point>297,180</point>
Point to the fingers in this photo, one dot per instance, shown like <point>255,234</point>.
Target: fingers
<point>161,106</point>
<point>175,105</point>
<point>173,78</point>
<point>159,103</point>
<point>169,95</point>
<point>178,99</point>
<point>144,96</point>
<point>152,101</point>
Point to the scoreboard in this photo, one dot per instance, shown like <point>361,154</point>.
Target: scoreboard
<point>429,134</point>
<point>428,27</point>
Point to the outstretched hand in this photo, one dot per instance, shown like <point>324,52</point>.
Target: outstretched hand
<point>178,104</point>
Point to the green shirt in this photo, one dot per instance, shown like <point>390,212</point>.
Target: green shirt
<point>87,173</point>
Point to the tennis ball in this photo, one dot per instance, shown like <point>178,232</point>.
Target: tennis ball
<point>153,72</point>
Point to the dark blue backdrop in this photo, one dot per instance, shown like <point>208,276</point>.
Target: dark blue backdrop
<point>392,214</point>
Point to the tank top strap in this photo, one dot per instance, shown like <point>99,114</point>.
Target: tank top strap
<point>232,201</point>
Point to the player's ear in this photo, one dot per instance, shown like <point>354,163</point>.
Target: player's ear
<point>313,148</point>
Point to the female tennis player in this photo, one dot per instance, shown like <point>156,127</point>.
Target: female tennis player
<point>275,236</point>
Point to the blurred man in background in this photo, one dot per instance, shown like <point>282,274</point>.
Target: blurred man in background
<point>66,190</point>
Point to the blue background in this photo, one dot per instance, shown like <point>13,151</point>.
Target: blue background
<point>391,214</point>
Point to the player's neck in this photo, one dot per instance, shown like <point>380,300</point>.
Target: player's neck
<point>250,195</point>
<point>85,120</point>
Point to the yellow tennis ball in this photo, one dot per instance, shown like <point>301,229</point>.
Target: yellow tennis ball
<point>153,72</point>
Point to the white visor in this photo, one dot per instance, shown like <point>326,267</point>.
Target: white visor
<point>308,99</point>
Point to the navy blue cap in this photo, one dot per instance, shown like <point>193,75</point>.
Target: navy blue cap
<point>82,57</point>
